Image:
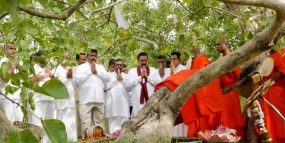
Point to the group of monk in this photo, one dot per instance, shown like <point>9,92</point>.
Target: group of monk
<point>208,107</point>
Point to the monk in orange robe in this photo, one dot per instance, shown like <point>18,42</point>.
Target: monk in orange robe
<point>232,116</point>
<point>202,111</point>
<point>275,95</point>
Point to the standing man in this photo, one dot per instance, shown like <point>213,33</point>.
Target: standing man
<point>44,104</point>
<point>142,82</point>
<point>117,101</point>
<point>81,59</point>
<point>161,65</point>
<point>90,78</point>
<point>112,65</point>
<point>232,116</point>
<point>65,108</point>
<point>12,111</point>
<point>175,65</point>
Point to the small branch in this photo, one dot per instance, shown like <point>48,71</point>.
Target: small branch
<point>101,25</point>
<point>3,15</point>
<point>106,7</point>
<point>146,41</point>
<point>63,16</point>
<point>184,6</point>
<point>19,105</point>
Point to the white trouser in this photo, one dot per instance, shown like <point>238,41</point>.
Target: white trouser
<point>91,114</point>
<point>44,109</point>
<point>12,111</point>
<point>67,116</point>
<point>180,130</point>
<point>113,122</point>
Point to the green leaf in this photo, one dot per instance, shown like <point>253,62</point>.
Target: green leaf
<point>56,89</point>
<point>277,49</point>
<point>237,21</point>
<point>248,35</point>
<point>24,2</point>
<point>13,13</point>
<point>55,129</point>
<point>56,9</point>
<point>43,2</point>
<point>3,5</point>
<point>24,44</point>
<point>72,26</point>
<point>108,40</point>
<point>181,39</point>
<point>31,31</point>
<point>186,1</point>
<point>25,136</point>
<point>98,2</point>
<point>12,3</point>
<point>14,79</point>
<point>40,60</point>
<point>31,101</point>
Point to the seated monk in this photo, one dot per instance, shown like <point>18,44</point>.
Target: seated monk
<point>203,109</point>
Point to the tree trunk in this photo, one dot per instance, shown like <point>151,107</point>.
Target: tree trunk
<point>5,126</point>
<point>154,123</point>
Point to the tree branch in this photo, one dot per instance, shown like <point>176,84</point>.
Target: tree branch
<point>276,5</point>
<point>106,7</point>
<point>63,16</point>
<point>146,41</point>
<point>3,15</point>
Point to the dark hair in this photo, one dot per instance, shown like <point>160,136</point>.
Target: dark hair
<point>111,62</point>
<point>177,54</point>
<point>118,60</point>
<point>78,55</point>
<point>161,57</point>
<point>8,43</point>
<point>93,51</point>
<point>124,65</point>
<point>36,54</point>
<point>142,54</point>
<point>167,64</point>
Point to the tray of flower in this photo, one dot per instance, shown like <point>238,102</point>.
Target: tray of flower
<point>221,135</point>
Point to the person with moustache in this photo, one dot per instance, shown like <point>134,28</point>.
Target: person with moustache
<point>81,59</point>
<point>117,101</point>
<point>12,111</point>
<point>44,104</point>
<point>65,108</point>
<point>90,78</point>
<point>142,82</point>
<point>161,64</point>
<point>175,65</point>
<point>232,116</point>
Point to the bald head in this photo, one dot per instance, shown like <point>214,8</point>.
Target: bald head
<point>196,52</point>
<point>222,46</point>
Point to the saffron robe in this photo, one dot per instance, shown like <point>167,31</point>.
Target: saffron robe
<point>232,116</point>
<point>275,95</point>
<point>203,109</point>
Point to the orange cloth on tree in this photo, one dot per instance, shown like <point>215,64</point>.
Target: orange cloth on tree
<point>203,109</point>
<point>232,116</point>
<point>275,95</point>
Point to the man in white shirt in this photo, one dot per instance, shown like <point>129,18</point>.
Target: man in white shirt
<point>12,111</point>
<point>65,108</point>
<point>44,105</point>
<point>175,66</point>
<point>161,65</point>
<point>142,82</point>
<point>117,98</point>
<point>81,59</point>
<point>90,78</point>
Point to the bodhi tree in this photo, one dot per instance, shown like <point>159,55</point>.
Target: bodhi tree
<point>157,27</point>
